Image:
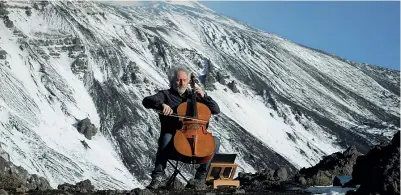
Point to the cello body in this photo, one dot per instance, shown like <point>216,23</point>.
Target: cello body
<point>192,140</point>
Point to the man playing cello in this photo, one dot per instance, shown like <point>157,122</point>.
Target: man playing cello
<point>167,102</point>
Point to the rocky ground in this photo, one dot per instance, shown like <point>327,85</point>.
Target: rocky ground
<point>159,192</point>
<point>377,172</point>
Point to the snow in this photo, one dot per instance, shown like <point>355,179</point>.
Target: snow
<point>182,2</point>
<point>186,26</point>
<point>329,190</point>
<point>37,126</point>
<point>251,113</point>
<point>84,106</point>
<point>53,132</point>
<point>148,69</point>
<point>345,75</point>
<point>57,133</point>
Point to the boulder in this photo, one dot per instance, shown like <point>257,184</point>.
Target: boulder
<point>87,128</point>
<point>322,174</point>
<point>378,172</point>
<point>265,179</point>
<point>82,187</point>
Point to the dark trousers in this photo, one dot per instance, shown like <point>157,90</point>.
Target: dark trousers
<point>161,157</point>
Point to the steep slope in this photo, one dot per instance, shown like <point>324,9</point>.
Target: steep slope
<point>282,104</point>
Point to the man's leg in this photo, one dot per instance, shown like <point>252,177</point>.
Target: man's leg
<point>161,160</point>
<point>202,170</point>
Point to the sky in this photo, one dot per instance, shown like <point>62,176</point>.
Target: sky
<point>367,32</point>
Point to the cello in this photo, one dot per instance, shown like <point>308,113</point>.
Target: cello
<point>192,140</point>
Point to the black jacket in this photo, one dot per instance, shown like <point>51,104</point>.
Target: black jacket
<point>173,99</point>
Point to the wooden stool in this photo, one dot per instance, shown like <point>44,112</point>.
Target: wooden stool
<point>221,174</point>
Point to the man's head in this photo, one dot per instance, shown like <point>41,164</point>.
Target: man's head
<point>179,79</point>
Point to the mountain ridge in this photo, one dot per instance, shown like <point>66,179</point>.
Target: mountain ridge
<point>66,61</point>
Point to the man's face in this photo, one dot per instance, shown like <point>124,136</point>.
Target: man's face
<point>182,82</point>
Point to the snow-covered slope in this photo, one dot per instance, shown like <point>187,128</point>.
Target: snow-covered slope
<point>283,104</point>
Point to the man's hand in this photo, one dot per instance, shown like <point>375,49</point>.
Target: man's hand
<point>200,92</point>
<point>167,110</point>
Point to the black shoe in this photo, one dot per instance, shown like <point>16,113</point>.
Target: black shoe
<point>156,183</point>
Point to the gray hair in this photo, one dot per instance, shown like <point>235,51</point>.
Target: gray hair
<point>173,72</point>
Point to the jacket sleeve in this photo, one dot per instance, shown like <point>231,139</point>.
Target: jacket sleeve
<point>209,102</point>
<point>154,101</point>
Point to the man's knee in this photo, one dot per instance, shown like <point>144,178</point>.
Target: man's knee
<point>217,141</point>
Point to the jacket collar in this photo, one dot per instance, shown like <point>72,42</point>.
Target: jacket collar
<point>175,92</point>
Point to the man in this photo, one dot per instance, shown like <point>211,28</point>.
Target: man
<point>167,101</point>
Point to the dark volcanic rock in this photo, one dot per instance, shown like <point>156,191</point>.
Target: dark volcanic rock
<point>83,186</point>
<point>8,22</point>
<point>197,185</point>
<point>4,154</point>
<point>232,85</point>
<point>28,12</point>
<point>130,73</point>
<point>16,184</point>
<point>378,172</point>
<point>335,164</point>
<point>80,65</point>
<point>3,192</point>
<point>3,54</point>
<point>87,128</point>
<point>265,179</point>
<point>341,180</point>
<point>221,78</point>
<point>16,177</point>
<point>3,11</point>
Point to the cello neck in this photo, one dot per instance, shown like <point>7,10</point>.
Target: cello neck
<point>194,109</point>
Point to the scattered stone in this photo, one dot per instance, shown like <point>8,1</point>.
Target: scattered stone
<point>197,184</point>
<point>3,54</point>
<point>76,41</point>
<point>281,174</point>
<point>35,6</point>
<point>302,180</point>
<point>80,65</point>
<point>83,187</point>
<point>232,85</point>
<point>3,192</point>
<point>21,189</point>
<point>38,183</point>
<point>85,144</point>
<point>129,75</point>
<point>3,11</point>
<point>265,179</point>
<point>221,78</point>
<point>28,12</point>
<point>239,191</point>
<point>8,22</point>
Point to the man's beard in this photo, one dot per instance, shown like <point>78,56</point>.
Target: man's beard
<point>180,90</point>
